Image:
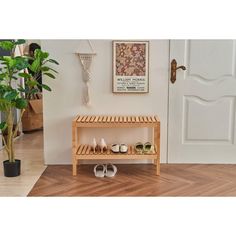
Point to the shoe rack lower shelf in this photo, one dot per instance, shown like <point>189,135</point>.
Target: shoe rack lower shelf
<point>84,152</point>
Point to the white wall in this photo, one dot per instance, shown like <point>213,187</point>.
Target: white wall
<point>65,101</point>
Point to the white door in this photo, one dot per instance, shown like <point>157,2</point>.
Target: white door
<point>202,104</point>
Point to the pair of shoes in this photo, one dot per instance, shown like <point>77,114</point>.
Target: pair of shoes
<point>123,148</point>
<point>143,148</point>
<point>102,146</point>
<point>108,170</point>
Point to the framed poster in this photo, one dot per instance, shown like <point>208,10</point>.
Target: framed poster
<point>130,66</point>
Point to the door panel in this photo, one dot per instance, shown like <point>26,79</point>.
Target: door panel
<point>200,129</point>
<point>202,102</point>
<point>215,54</point>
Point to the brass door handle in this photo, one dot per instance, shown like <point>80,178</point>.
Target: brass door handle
<point>174,68</point>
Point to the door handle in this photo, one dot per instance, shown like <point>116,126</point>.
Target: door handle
<point>174,68</point>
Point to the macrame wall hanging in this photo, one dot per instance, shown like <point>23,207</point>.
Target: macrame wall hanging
<point>86,62</point>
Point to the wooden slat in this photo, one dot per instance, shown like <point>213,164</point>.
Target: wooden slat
<point>129,119</point>
<point>125,119</point>
<point>88,150</point>
<point>108,119</point>
<point>153,119</point>
<point>79,119</point>
<point>96,119</point>
<point>141,119</point>
<point>149,119</point>
<point>100,119</point>
<point>116,119</point>
<point>88,119</point>
<point>92,119</point>
<point>104,119</point>
<point>137,119</point>
<point>145,119</point>
<point>156,118</point>
<point>79,149</point>
<point>120,119</point>
<point>84,118</point>
<point>84,149</point>
<point>133,119</point>
<point>112,119</point>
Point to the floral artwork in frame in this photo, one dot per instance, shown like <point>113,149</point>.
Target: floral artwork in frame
<point>130,66</point>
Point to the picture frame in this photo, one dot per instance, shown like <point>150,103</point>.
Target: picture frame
<point>130,66</point>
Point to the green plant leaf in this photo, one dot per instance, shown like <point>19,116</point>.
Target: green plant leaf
<point>20,89</point>
<point>18,63</point>
<point>7,45</point>
<point>3,76</point>
<point>9,62</point>
<point>3,89</point>
<point>35,65</point>
<point>31,83</point>
<point>46,87</point>
<point>3,125</point>
<point>46,68</point>
<point>21,63</point>
<point>19,41</point>
<point>50,75</point>
<point>25,75</point>
<point>39,54</point>
<point>14,77</point>
<point>53,61</point>
<point>10,95</point>
<point>21,103</point>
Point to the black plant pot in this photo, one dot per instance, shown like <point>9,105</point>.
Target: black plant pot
<point>11,169</point>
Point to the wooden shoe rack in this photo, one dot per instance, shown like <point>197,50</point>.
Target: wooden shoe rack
<point>84,152</point>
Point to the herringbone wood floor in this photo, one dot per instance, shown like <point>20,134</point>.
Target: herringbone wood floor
<point>139,180</point>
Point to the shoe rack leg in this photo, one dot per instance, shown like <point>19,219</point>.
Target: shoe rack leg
<point>155,162</point>
<point>74,168</point>
<point>74,144</point>
<point>154,143</point>
<point>157,144</point>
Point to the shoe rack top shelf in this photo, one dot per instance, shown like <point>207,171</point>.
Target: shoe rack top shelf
<point>116,121</point>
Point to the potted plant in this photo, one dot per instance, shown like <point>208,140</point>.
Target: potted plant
<point>16,96</point>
